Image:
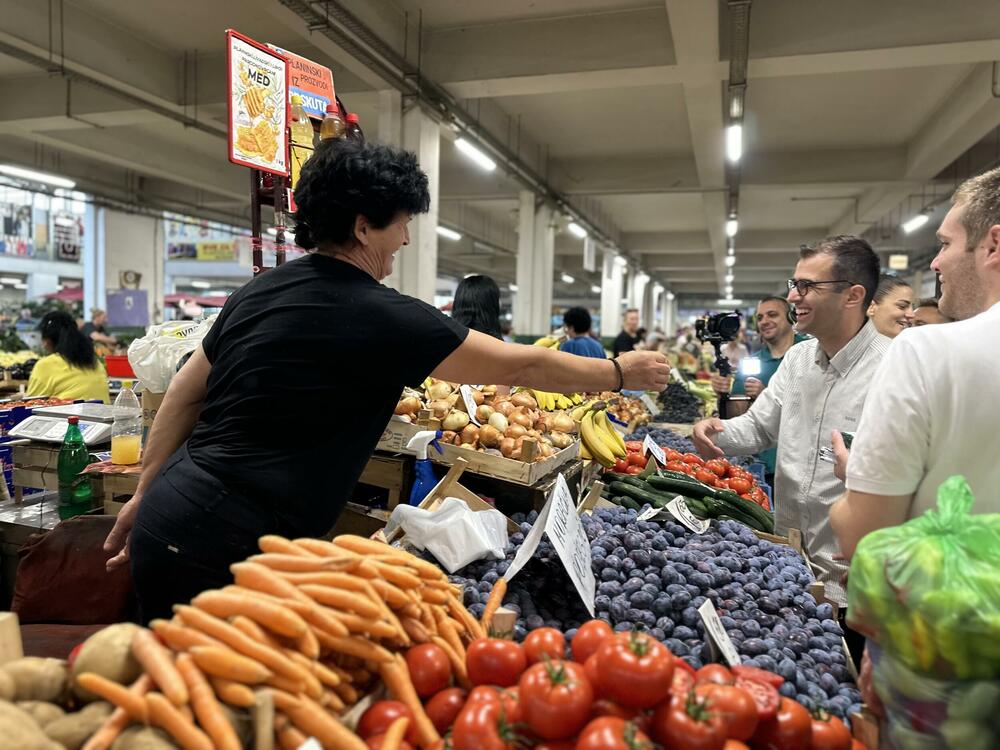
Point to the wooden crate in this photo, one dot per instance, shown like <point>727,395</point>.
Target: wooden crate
<point>393,473</point>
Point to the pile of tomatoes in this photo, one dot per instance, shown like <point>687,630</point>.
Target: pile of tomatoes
<point>620,691</point>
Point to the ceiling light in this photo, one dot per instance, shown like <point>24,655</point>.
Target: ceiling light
<point>731,250</point>
<point>729,278</point>
<point>734,142</point>
<point>913,224</point>
<point>596,289</point>
<point>619,260</point>
<point>272,231</point>
<point>449,234</point>
<point>729,290</point>
<point>481,159</point>
<point>577,230</point>
<point>201,285</point>
<point>729,301</point>
<point>512,287</point>
<point>670,295</point>
<point>10,280</point>
<point>732,227</point>
<point>730,261</point>
<point>31,174</point>
<point>20,286</point>
<point>567,279</point>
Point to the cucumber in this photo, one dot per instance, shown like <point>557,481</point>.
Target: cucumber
<point>717,508</point>
<point>628,502</point>
<point>765,521</point>
<point>641,495</point>
<point>680,484</point>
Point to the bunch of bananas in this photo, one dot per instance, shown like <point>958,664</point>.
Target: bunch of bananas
<point>600,441</point>
<point>549,342</point>
<point>551,401</point>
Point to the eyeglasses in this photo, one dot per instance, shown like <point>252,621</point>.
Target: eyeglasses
<point>802,286</point>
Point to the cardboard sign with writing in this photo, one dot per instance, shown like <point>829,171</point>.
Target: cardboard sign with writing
<point>718,639</point>
<point>649,446</point>
<point>649,513</point>
<point>679,510</point>
<point>258,105</point>
<point>649,404</point>
<point>470,403</point>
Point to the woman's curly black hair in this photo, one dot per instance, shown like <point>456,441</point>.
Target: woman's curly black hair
<point>345,178</point>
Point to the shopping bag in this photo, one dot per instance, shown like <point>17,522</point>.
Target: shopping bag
<point>155,357</point>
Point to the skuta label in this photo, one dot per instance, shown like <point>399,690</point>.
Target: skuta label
<point>718,638</point>
<point>649,404</point>
<point>679,510</point>
<point>470,403</point>
<point>650,512</point>
<point>649,446</point>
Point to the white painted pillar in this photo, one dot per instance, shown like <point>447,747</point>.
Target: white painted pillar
<point>521,299</point>
<point>637,297</point>
<point>415,268</point>
<point>390,132</point>
<point>93,260</point>
<point>133,242</point>
<point>647,311</point>
<point>611,295</point>
<point>535,266</point>
<point>670,321</point>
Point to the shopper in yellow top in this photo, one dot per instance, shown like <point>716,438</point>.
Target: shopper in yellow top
<point>71,370</point>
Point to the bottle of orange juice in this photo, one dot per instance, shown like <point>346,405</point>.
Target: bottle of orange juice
<point>126,432</point>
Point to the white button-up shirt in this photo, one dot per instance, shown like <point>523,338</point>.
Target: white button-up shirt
<point>809,396</point>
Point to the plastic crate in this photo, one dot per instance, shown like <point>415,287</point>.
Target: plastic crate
<point>118,366</point>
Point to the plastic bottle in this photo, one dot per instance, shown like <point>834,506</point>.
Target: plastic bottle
<point>301,138</point>
<point>423,480</point>
<point>354,132</point>
<point>75,491</point>
<point>126,432</point>
<point>332,126</point>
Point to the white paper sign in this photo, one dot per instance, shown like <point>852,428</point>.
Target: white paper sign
<point>649,404</point>
<point>718,638</point>
<point>649,446</point>
<point>679,510</point>
<point>470,403</point>
<point>560,521</point>
<point>650,512</point>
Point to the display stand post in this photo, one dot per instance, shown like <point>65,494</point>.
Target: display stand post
<point>256,243</point>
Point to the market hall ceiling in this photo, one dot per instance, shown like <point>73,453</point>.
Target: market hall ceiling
<point>854,112</point>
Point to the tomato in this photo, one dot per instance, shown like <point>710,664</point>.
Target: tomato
<point>633,446</point>
<point>688,723</point>
<point>637,459</point>
<point>760,497</point>
<point>756,674</point>
<point>682,682</point>
<point>557,745</point>
<point>483,724</point>
<point>789,729</point>
<point>739,485</point>
<point>717,466</point>
<point>705,477</point>
<point>620,466</point>
<point>672,455</point>
<point>829,733</point>
<point>733,471</point>
<point>380,715</point>
<point>634,470</point>
<point>588,638</point>
<point>444,707</point>
<point>634,670</point>
<point>544,641</point>
<point>494,661</point>
<point>684,666</point>
<point>375,743</point>
<point>722,484</point>
<point>612,733</point>
<point>430,669</point>
<point>510,699</point>
<point>555,699</point>
<point>691,458</point>
<point>590,669</point>
<point>737,745</point>
<point>765,696</point>
<point>734,705</point>
<point>678,466</point>
<point>716,673</point>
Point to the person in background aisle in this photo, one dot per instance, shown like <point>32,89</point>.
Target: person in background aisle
<point>507,331</point>
<point>477,305</point>
<point>629,337</point>
<point>892,309</point>
<point>71,370</point>
<point>736,350</point>
<point>775,321</point>
<point>95,331</point>
<point>926,313</point>
<point>321,349</point>
<point>577,323</point>
<point>819,386</point>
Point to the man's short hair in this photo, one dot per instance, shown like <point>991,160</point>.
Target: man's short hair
<point>578,319</point>
<point>632,310</point>
<point>926,302</point>
<point>853,260</point>
<point>787,305</point>
<point>980,198</point>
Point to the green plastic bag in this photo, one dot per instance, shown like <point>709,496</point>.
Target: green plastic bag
<point>928,591</point>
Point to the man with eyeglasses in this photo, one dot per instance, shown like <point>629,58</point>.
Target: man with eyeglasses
<point>820,386</point>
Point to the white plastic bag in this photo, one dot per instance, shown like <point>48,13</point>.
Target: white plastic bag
<point>454,533</point>
<point>155,356</point>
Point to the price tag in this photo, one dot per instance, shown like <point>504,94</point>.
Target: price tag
<point>470,403</point>
<point>650,512</point>
<point>649,446</point>
<point>650,405</point>
<point>718,638</point>
<point>560,521</point>
<point>679,510</point>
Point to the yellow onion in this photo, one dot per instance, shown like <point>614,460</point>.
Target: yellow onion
<point>408,405</point>
<point>489,437</point>
<point>561,440</point>
<point>542,422</point>
<point>469,434</point>
<point>449,437</point>
<point>507,447</point>
<point>525,399</point>
<point>562,422</point>
<point>489,390</point>
<point>456,420</point>
<point>438,389</point>
<point>499,421</point>
<point>516,431</point>
<point>504,406</point>
<point>518,416</point>
<point>483,413</point>
<point>477,396</point>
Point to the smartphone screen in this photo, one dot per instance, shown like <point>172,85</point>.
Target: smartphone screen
<point>750,366</point>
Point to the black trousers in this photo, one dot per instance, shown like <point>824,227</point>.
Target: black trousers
<point>190,528</point>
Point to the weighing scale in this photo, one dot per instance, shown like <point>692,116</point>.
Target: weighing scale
<point>48,423</point>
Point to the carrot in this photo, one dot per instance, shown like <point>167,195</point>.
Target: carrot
<point>396,574</point>
<point>307,644</point>
<point>282,546</point>
<point>348,693</point>
<point>396,677</point>
<point>296,564</point>
<point>449,629</point>
<point>457,664</point>
<point>349,600</point>
<point>133,704</point>
<point>416,630</point>
<point>251,629</point>
<point>335,578</point>
<point>221,662</point>
<point>427,618</point>
<point>206,707</point>
<point>166,716</point>
<point>259,577</point>
<point>281,620</point>
<point>289,737</point>
<point>434,596</point>
<point>314,721</point>
<point>372,628</point>
<point>364,546</point>
<point>493,603</point>
<point>232,693</point>
<point>310,672</point>
<point>179,637</point>
<point>105,736</point>
<point>357,647</point>
<point>283,683</point>
<point>394,734</point>
<point>331,701</point>
<point>283,701</point>
<point>326,675</point>
<point>461,614</point>
<point>159,663</point>
<point>323,548</point>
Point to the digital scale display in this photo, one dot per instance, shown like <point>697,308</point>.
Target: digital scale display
<point>53,430</point>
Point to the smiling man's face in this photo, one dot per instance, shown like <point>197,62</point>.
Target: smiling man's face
<point>962,291</point>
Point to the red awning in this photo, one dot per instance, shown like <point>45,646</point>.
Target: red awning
<point>66,295</point>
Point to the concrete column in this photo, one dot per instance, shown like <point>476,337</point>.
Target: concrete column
<point>415,268</point>
<point>93,260</point>
<point>637,296</point>
<point>647,311</point>
<point>611,295</point>
<point>670,319</point>
<point>390,132</point>
<point>535,264</point>
<point>135,243</point>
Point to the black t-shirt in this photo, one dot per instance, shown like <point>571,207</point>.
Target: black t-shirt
<point>89,328</point>
<point>308,362</point>
<point>624,342</point>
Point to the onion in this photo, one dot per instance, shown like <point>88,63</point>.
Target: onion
<point>507,446</point>
<point>408,405</point>
<point>455,421</point>
<point>489,437</point>
<point>489,390</point>
<point>438,389</point>
<point>515,431</point>
<point>470,434</point>
<point>562,422</point>
<point>499,421</point>
<point>468,446</point>
<point>504,406</point>
<point>449,437</point>
<point>439,408</point>
<point>561,440</point>
<point>542,422</point>
<point>483,413</point>
<point>477,396</point>
<point>525,399</point>
<point>519,417</point>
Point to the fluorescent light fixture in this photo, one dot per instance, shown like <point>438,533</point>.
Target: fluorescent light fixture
<point>20,286</point>
<point>567,279</point>
<point>671,295</point>
<point>732,227</point>
<point>913,224</point>
<point>730,261</point>
<point>64,221</point>
<point>731,251</point>
<point>596,289</point>
<point>734,142</point>
<point>512,287</point>
<point>729,290</point>
<point>481,159</point>
<point>619,260</point>
<point>577,230</point>
<point>34,176</point>
<point>729,301</point>
<point>449,234</point>
<point>201,285</point>
<point>272,231</point>
<point>10,280</point>
<point>729,278</point>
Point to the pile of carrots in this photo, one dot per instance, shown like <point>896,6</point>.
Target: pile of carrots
<point>314,624</point>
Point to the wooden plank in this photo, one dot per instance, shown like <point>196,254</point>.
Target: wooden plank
<point>262,716</point>
<point>28,477</point>
<point>11,646</point>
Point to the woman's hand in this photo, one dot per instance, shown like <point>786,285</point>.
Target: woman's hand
<point>118,540</point>
<point>644,371</point>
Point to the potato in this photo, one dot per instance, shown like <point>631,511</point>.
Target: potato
<point>20,732</point>
<point>108,653</point>
<point>7,686</point>
<point>37,678</point>
<point>43,713</point>
<point>72,730</point>
<point>143,738</point>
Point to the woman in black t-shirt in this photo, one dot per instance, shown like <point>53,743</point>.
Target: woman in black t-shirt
<point>268,426</point>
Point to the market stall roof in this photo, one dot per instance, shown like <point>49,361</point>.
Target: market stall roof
<point>178,299</point>
<point>66,295</point>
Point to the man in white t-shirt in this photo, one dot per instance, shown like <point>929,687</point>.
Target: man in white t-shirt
<point>933,408</point>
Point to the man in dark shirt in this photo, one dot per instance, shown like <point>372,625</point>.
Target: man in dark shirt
<point>95,331</point>
<point>629,337</point>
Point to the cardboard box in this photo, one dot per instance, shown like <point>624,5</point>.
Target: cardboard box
<point>150,405</point>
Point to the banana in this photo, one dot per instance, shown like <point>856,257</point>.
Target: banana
<point>595,445</point>
<point>546,341</point>
<point>607,434</point>
<point>584,453</point>
<point>577,398</point>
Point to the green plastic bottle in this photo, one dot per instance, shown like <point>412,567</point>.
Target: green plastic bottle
<point>75,491</point>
